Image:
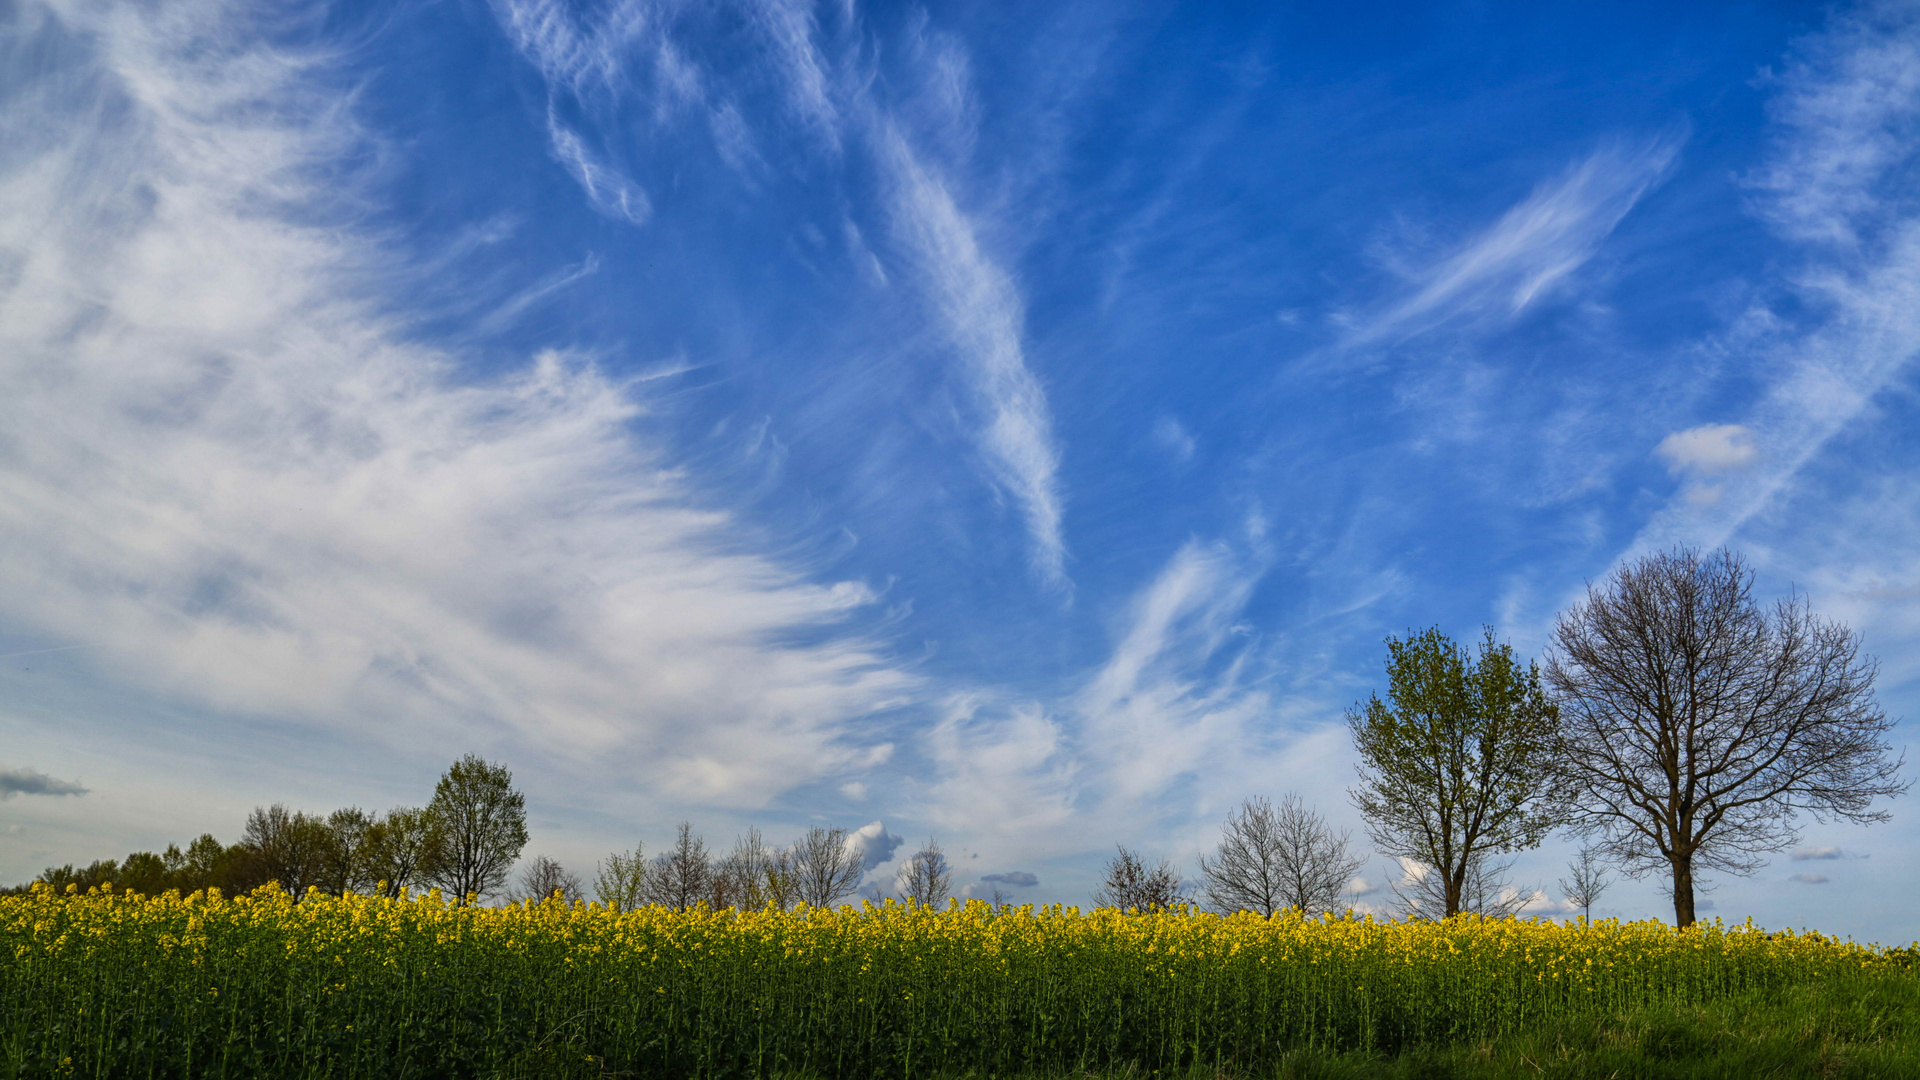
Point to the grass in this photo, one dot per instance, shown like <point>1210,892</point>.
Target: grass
<point>1804,1032</point>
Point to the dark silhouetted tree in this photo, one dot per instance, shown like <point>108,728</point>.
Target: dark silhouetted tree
<point>927,878</point>
<point>483,825</point>
<point>824,867</point>
<point>1698,724</point>
<point>1129,883</point>
<point>1275,857</point>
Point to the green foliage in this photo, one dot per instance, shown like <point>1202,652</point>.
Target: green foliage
<point>482,823</point>
<point>1458,763</point>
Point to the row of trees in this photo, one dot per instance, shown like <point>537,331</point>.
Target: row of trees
<point>820,868</point>
<point>1678,727</point>
<point>463,842</point>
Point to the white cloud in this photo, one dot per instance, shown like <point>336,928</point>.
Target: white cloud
<point>1817,854</point>
<point>1005,775</point>
<point>584,55</point>
<point>873,843</point>
<point>1532,249</point>
<point>984,316</point>
<point>978,301</point>
<point>257,495</point>
<point>1170,698</point>
<point>608,189</point>
<point>1810,879</point>
<point>1846,135</point>
<point>28,782</point>
<point>1847,117</point>
<point>1707,449</point>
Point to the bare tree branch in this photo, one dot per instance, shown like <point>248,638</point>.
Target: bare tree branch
<point>1585,880</point>
<point>1131,885</point>
<point>927,878</point>
<point>1276,857</point>
<point>1697,724</point>
<point>824,869</point>
<point>543,878</point>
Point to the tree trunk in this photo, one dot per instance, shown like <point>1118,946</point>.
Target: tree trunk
<point>1683,890</point>
<point>1456,884</point>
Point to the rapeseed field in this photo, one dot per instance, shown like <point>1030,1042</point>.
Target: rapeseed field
<point>121,985</point>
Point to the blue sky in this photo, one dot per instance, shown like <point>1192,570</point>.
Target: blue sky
<point>1017,424</point>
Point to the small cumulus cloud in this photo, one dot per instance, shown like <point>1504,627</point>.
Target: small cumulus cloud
<point>1360,886</point>
<point>1708,449</point>
<point>854,789</point>
<point>873,843</point>
<point>1018,879</point>
<point>27,782</point>
<point>1810,879</point>
<point>1817,854</point>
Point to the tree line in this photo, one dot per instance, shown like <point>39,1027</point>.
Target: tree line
<point>1678,727</point>
<point>463,842</point>
<point>466,841</point>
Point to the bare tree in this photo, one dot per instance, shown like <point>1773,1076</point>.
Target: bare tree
<point>483,826</point>
<point>682,877</point>
<point>1276,857</point>
<point>1459,765</point>
<point>825,869</point>
<point>543,878</point>
<point>1129,883</point>
<point>782,884</point>
<point>1698,724</point>
<point>1585,880</point>
<point>745,871</point>
<point>621,880</point>
<point>1482,890</point>
<point>927,878</point>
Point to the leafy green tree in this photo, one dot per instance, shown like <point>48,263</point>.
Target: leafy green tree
<point>145,873</point>
<point>292,848</point>
<point>622,880</point>
<point>347,862</point>
<point>404,848</point>
<point>100,872</point>
<point>1459,762</point>
<point>483,826</point>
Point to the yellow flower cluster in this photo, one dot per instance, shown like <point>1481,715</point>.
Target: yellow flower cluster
<point>206,986</point>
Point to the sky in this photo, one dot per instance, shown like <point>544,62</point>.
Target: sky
<point>1019,425</point>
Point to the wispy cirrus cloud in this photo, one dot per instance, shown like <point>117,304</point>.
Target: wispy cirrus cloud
<point>1532,249</point>
<point>1171,695</point>
<point>258,496</point>
<point>632,53</point>
<point>983,314</point>
<point>1846,132</point>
